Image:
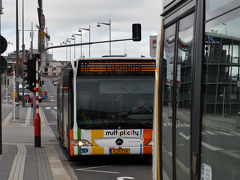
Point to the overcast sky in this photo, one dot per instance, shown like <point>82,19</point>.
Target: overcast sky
<point>63,18</point>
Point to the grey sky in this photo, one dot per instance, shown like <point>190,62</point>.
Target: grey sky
<point>64,17</point>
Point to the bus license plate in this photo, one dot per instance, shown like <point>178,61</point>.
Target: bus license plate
<point>120,151</point>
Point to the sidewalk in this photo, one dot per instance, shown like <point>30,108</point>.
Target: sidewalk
<point>21,159</point>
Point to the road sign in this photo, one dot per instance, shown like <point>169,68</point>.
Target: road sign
<point>3,44</point>
<point>3,64</point>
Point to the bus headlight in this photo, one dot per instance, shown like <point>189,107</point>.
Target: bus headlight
<point>81,143</point>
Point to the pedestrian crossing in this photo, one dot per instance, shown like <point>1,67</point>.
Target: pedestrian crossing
<point>53,110</point>
<point>205,132</point>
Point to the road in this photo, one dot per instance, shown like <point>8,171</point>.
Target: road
<point>99,168</point>
<point>220,145</point>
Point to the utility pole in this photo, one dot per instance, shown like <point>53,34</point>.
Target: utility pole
<point>23,56</point>
<point>17,112</point>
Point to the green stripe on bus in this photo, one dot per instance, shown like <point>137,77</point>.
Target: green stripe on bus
<point>79,137</point>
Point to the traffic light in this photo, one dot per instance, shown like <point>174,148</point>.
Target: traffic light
<point>136,32</point>
<point>31,74</point>
<point>3,61</point>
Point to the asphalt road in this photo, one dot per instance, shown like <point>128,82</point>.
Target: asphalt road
<point>220,146</point>
<point>99,168</point>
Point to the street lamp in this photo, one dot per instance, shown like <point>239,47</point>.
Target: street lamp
<point>66,48</point>
<point>69,41</point>
<point>87,29</point>
<point>81,39</point>
<point>107,24</point>
<point>225,27</point>
<point>73,38</point>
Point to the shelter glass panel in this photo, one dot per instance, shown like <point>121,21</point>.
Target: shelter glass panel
<point>183,98</point>
<point>221,105</point>
<point>167,106</point>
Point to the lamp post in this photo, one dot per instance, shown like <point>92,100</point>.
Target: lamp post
<point>107,24</point>
<point>225,27</point>
<point>81,39</point>
<point>66,48</point>
<point>67,41</point>
<point>89,33</point>
<point>73,38</point>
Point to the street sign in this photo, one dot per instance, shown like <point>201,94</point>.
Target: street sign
<point>3,64</point>
<point>3,44</point>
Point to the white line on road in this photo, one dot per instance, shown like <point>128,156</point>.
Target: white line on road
<point>187,125</point>
<point>184,136</point>
<point>209,132</point>
<point>47,107</point>
<point>54,112</point>
<point>28,117</point>
<point>224,133</point>
<point>7,119</point>
<point>110,172</point>
<point>211,147</point>
<point>94,167</point>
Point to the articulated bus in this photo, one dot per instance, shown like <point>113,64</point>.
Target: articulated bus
<point>105,106</point>
<point>197,91</point>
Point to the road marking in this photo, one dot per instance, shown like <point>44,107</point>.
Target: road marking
<point>58,170</point>
<point>187,125</point>
<point>43,118</point>
<point>55,107</point>
<point>47,107</point>
<point>7,119</point>
<point>184,136</point>
<point>209,132</point>
<point>123,178</point>
<point>164,124</point>
<point>110,172</point>
<point>224,133</point>
<point>90,169</point>
<point>53,112</point>
<point>211,147</point>
<point>94,167</point>
<point>52,123</point>
<point>17,169</point>
<point>28,117</point>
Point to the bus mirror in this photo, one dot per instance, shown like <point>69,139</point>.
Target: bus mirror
<point>136,32</point>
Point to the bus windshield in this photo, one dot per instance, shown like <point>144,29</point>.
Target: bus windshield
<point>115,102</point>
